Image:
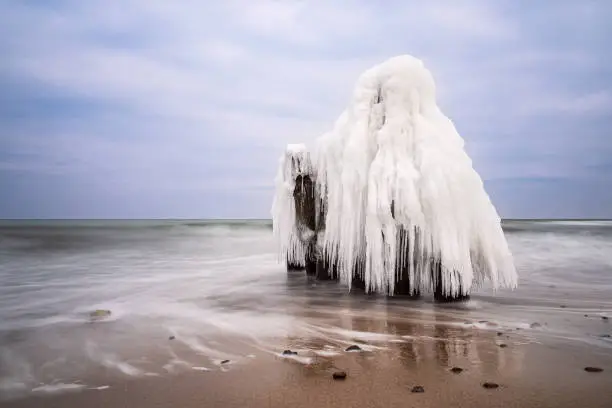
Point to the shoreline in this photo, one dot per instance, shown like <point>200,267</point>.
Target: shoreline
<point>531,372</point>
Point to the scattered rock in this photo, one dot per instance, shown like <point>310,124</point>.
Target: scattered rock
<point>490,385</point>
<point>535,325</point>
<point>289,353</point>
<point>456,370</point>
<point>354,347</point>
<point>562,306</point>
<point>171,338</point>
<point>586,315</point>
<point>224,361</point>
<point>604,317</point>
<point>483,321</point>
<point>503,345</point>
<point>605,336</point>
<point>499,333</point>
<point>593,369</point>
<point>418,389</point>
<point>339,375</point>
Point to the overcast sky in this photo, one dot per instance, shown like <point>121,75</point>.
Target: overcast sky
<point>157,108</point>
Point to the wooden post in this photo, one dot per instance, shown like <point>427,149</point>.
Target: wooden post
<point>305,209</point>
<point>294,266</point>
<point>440,294</point>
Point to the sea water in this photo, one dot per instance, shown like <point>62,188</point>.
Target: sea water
<point>215,287</point>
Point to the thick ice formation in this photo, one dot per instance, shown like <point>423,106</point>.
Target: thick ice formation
<point>289,238</point>
<point>394,161</point>
<point>398,192</point>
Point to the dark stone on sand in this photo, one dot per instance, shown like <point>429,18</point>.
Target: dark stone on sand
<point>586,315</point>
<point>593,369</point>
<point>289,353</point>
<point>503,345</point>
<point>456,370</point>
<point>562,306</point>
<point>490,385</point>
<point>605,336</point>
<point>499,333</point>
<point>225,361</point>
<point>339,375</point>
<point>535,325</point>
<point>171,338</point>
<point>99,314</point>
<point>353,348</point>
<point>604,317</point>
<point>418,389</point>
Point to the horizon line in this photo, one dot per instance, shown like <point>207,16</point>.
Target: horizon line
<point>255,219</point>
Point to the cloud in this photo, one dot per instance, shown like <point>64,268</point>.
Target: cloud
<point>154,101</point>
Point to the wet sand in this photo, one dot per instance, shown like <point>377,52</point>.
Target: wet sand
<point>219,290</point>
<point>396,355</point>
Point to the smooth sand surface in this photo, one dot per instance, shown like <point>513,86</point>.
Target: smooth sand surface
<point>529,374</point>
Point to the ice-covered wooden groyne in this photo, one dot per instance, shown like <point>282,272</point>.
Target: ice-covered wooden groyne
<point>389,201</point>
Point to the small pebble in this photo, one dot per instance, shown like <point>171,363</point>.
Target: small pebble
<point>604,317</point>
<point>586,315</point>
<point>418,389</point>
<point>171,338</point>
<point>353,348</point>
<point>593,369</point>
<point>499,333</point>
<point>225,361</point>
<point>562,306</point>
<point>503,345</point>
<point>339,375</point>
<point>289,353</point>
<point>605,336</point>
<point>534,325</point>
<point>456,370</point>
<point>490,386</point>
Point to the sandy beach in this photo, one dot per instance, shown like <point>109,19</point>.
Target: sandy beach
<point>396,355</point>
<point>201,316</point>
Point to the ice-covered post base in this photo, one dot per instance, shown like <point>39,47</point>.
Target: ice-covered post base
<point>443,294</point>
<point>326,269</point>
<point>403,284</point>
<point>306,219</point>
<point>292,235</point>
<point>440,297</point>
<point>295,266</point>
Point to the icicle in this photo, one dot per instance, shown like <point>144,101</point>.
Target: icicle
<point>394,164</point>
<point>289,237</point>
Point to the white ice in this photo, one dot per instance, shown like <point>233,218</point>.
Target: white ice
<point>295,161</point>
<point>393,148</point>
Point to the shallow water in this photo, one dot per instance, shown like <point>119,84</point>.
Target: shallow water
<point>219,290</point>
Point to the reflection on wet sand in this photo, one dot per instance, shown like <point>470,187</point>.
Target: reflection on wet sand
<point>417,334</point>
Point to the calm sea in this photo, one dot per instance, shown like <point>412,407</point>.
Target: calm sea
<point>198,280</point>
